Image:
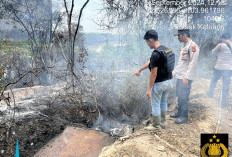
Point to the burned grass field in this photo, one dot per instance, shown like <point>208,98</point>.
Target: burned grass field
<point>40,113</point>
<point>118,106</point>
<point>35,126</point>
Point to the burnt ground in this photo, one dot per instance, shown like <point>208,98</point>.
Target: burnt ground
<point>33,132</point>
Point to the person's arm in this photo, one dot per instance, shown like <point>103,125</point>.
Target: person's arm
<point>194,53</point>
<point>146,65</point>
<point>216,49</point>
<point>152,80</point>
<point>177,67</point>
<point>174,72</point>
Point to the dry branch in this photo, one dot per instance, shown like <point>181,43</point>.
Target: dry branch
<point>35,72</point>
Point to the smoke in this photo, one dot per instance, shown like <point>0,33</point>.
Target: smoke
<point>114,58</point>
<point>115,62</point>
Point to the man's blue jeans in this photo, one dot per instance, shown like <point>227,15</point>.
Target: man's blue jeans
<point>159,96</point>
<point>226,75</point>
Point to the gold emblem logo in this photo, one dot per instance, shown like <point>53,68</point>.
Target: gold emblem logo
<point>214,148</point>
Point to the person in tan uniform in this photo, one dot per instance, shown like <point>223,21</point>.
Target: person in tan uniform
<point>184,73</point>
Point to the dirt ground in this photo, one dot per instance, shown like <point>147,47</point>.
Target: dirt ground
<point>76,142</point>
<point>178,140</point>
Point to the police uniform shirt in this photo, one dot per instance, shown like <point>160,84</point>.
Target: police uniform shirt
<point>157,60</point>
<point>187,61</point>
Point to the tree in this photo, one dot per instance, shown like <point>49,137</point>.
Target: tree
<point>35,19</point>
<point>41,29</point>
<point>72,37</point>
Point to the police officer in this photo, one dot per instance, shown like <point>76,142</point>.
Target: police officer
<point>183,72</point>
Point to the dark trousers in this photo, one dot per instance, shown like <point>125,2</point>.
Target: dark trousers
<point>183,92</point>
<point>226,75</point>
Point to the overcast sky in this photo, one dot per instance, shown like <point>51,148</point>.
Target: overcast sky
<point>89,13</point>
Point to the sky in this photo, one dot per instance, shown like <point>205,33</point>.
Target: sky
<point>90,12</point>
<point>89,16</point>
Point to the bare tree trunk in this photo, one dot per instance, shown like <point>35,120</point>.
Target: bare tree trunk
<point>72,39</point>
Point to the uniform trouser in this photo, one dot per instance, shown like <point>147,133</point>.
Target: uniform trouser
<point>182,92</point>
<point>226,75</point>
<point>159,96</point>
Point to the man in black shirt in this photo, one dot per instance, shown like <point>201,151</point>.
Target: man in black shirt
<point>161,65</point>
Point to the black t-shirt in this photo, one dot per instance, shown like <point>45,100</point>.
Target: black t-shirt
<point>159,60</point>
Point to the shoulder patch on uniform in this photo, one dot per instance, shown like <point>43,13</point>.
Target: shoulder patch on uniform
<point>194,48</point>
<point>168,50</point>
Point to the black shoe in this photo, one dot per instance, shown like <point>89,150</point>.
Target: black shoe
<point>176,115</point>
<point>181,120</point>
